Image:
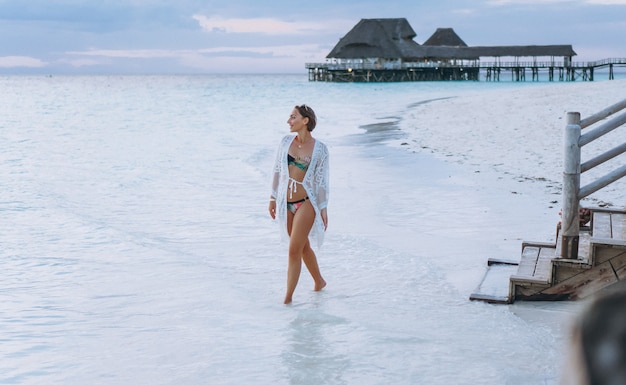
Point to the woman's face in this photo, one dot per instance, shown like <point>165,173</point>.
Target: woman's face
<point>296,121</point>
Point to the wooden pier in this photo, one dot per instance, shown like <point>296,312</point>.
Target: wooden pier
<point>462,70</point>
<point>383,50</point>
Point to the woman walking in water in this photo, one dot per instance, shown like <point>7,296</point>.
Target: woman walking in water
<point>300,195</point>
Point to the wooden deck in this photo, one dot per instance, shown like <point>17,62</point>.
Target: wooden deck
<point>542,275</point>
<point>442,71</point>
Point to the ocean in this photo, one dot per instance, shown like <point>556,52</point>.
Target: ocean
<point>136,246</point>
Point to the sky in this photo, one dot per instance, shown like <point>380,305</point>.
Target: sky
<point>256,36</point>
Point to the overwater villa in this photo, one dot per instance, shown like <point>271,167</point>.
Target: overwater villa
<point>383,50</point>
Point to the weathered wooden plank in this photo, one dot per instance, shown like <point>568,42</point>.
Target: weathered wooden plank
<point>547,253</point>
<point>584,248</point>
<point>528,261</point>
<point>605,276</point>
<point>611,242</point>
<point>504,300</point>
<point>584,284</point>
<point>498,261</point>
<point>618,226</point>
<point>607,209</point>
<point>604,250</point>
<point>619,265</point>
<point>538,244</point>
<point>529,280</point>
<point>543,268</point>
<point>559,241</point>
<point>543,275</point>
<point>527,291</point>
<point>601,225</point>
<point>495,286</point>
<point>564,271</point>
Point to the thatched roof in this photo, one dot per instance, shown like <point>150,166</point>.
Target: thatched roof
<point>474,53</point>
<point>393,39</point>
<point>445,37</point>
<point>383,38</point>
<point>524,50</point>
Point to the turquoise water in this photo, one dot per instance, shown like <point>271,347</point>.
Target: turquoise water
<point>136,245</point>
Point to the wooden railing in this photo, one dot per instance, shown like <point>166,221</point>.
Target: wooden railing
<point>574,140</point>
<point>397,65</point>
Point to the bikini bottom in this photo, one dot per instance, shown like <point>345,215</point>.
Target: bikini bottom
<point>294,206</point>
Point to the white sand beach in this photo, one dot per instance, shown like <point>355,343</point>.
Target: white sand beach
<point>508,141</point>
<point>137,247</point>
<point>518,131</point>
<point>504,146</point>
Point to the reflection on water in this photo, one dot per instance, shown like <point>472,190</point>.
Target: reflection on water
<point>312,358</point>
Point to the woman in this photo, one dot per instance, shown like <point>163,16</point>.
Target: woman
<point>300,195</point>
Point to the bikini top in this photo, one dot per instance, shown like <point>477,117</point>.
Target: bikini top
<point>302,164</point>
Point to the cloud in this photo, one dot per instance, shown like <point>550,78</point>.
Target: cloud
<point>126,53</point>
<point>80,62</point>
<point>209,59</point>
<point>21,61</point>
<point>464,11</point>
<point>606,2</point>
<point>529,2</point>
<point>266,26</point>
<point>270,51</point>
<point>535,2</point>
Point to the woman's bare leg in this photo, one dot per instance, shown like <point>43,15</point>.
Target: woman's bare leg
<point>308,256</point>
<point>301,224</point>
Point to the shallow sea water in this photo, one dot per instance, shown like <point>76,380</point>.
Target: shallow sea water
<point>136,245</point>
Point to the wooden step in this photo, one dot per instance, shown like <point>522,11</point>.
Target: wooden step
<point>541,268</point>
<point>542,275</point>
<point>601,262</point>
<point>494,287</point>
<point>618,226</point>
<point>609,225</point>
<point>535,266</point>
<point>608,239</point>
<point>601,224</point>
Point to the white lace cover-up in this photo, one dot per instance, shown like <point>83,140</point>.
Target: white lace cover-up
<point>315,183</point>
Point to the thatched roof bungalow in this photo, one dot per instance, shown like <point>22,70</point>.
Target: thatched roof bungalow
<point>385,50</point>
<point>385,42</point>
<point>377,38</point>
<point>445,37</point>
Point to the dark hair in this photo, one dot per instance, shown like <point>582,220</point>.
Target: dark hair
<point>603,336</point>
<point>307,112</point>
